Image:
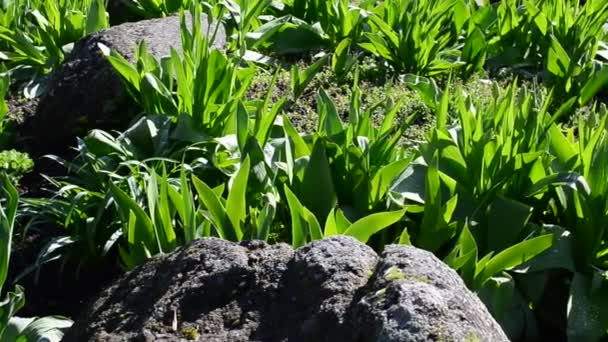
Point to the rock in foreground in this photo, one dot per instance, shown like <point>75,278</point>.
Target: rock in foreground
<point>335,289</point>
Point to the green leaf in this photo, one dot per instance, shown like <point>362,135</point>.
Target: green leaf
<point>236,204</point>
<point>317,188</point>
<point>341,62</point>
<point>564,109</point>
<point>265,32</point>
<point>329,120</point>
<point>367,226</point>
<point>331,228</point>
<point>474,50</point>
<point>506,219</point>
<point>101,143</point>
<point>14,328</point>
<point>267,121</point>
<point>378,46</point>
<point>7,223</point>
<point>300,147</point>
<point>597,81</point>
<point>159,212</point>
<point>426,88</point>
<point>559,256</point>
<point>514,256</point>
<point>540,19</point>
<point>464,256</point>
<point>435,228</point>
<point>189,212</point>
<point>572,180</point>
<point>301,79</point>
<point>298,231</point>
<point>242,125</point>
<point>169,239</point>
<point>442,110</point>
<point>558,61</point>
<point>342,223</point>
<point>385,177</point>
<point>9,307</point>
<point>140,230</point>
<point>96,17</point>
<point>158,94</point>
<point>387,31</point>
<point>125,69</point>
<point>210,200</point>
<point>561,147</point>
<point>304,226</point>
<point>404,238</point>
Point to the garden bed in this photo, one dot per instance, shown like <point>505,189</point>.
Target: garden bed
<point>474,131</point>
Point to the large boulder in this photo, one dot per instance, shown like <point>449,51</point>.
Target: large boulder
<point>87,93</point>
<point>213,289</point>
<point>413,296</point>
<point>335,289</point>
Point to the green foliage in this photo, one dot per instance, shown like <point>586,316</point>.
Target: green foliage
<point>240,18</point>
<point>300,79</point>
<point>156,8</point>
<point>204,82</point>
<point>512,178</point>
<point>14,328</point>
<point>36,35</point>
<point>4,85</point>
<point>558,38</point>
<point>7,222</point>
<point>301,25</point>
<point>338,19</point>
<point>498,189</point>
<point>416,36</point>
<point>578,186</point>
<point>5,125</point>
<point>15,164</point>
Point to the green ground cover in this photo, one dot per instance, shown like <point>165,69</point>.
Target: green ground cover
<point>474,130</point>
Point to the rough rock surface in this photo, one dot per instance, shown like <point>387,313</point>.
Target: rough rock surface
<point>335,289</point>
<point>86,93</point>
<point>413,296</point>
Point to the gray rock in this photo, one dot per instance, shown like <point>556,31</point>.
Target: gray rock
<point>214,290</point>
<point>323,279</point>
<point>413,296</point>
<point>335,289</point>
<point>86,93</point>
